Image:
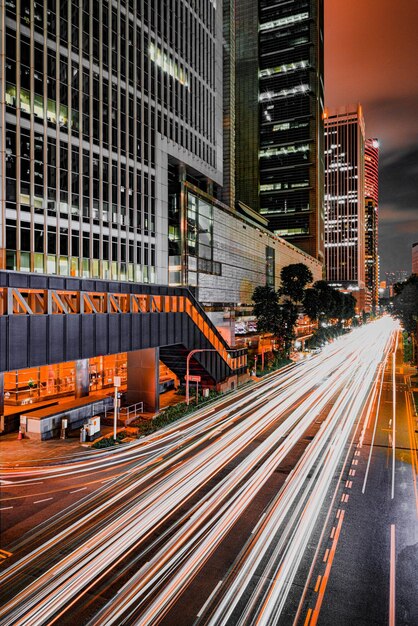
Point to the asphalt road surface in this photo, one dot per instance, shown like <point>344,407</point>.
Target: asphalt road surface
<point>248,512</point>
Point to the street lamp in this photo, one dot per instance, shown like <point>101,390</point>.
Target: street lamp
<point>117,383</point>
<point>187,368</point>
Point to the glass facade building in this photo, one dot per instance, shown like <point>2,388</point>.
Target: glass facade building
<point>344,197</point>
<point>99,98</point>
<point>371,191</point>
<point>285,134</point>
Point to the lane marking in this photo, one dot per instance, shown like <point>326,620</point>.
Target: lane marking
<point>77,490</point>
<point>352,472</point>
<point>392,590</point>
<point>44,500</point>
<point>332,532</point>
<point>202,610</point>
<point>375,426</point>
<point>326,555</point>
<point>315,613</point>
<point>394,417</point>
<point>317,583</point>
<point>5,508</point>
<point>308,617</point>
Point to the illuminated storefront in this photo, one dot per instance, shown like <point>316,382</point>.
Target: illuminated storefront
<point>38,384</point>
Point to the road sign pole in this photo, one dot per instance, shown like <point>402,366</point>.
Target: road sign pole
<point>115,413</point>
<point>117,382</point>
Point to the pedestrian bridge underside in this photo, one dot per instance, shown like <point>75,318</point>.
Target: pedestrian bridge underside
<point>48,319</point>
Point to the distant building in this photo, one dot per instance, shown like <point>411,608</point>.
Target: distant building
<point>371,250</point>
<point>396,277</point>
<point>415,258</point>
<point>280,104</point>
<point>344,200</point>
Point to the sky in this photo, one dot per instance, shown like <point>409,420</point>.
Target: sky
<point>371,57</point>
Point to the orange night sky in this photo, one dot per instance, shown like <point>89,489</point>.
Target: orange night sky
<point>371,56</point>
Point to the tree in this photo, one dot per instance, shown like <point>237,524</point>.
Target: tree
<point>294,279</point>
<point>312,303</point>
<point>325,303</point>
<point>349,307</point>
<point>266,309</point>
<point>405,303</point>
<point>286,323</point>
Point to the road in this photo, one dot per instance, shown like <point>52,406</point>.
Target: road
<point>219,519</point>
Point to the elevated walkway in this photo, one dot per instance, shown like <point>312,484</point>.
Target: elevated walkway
<point>50,319</point>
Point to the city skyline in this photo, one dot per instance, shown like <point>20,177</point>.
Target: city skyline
<point>372,60</point>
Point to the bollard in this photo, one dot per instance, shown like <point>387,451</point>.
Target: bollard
<point>19,435</point>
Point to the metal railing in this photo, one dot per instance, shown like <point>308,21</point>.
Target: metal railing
<point>127,413</point>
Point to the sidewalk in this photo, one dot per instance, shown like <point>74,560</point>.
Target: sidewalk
<point>14,451</point>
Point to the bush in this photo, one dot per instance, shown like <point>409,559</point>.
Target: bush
<point>274,363</point>
<point>107,442</point>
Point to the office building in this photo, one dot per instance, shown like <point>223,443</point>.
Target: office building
<point>344,200</point>
<point>111,141</point>
<point>103,102</point>
<point>371,250</point>
<point>280,107</point>
<point>371,191</point>
<point>97,102</point>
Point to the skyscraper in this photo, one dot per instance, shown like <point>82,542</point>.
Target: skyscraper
<point>371,190</point>
<point>280,117</point>
<point>344,197</point>
<point>371,170</point>
<point>99,98</point>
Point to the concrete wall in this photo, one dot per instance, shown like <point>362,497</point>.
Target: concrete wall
<point>240,246</point>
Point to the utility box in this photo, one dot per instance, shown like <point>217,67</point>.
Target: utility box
<point>93,428</point>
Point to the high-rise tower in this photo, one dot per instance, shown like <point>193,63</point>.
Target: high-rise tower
<point>344,197</point>
<point>280,117</point>
<point>371,190</point>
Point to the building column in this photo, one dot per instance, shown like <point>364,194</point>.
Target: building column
<point>143,379</point>
<point>82,378</point>
<point>2,402</point>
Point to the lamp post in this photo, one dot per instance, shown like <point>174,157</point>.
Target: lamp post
<point>187,368</point>
<point>117,382</point>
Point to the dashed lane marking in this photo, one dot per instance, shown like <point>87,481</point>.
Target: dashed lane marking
<point>44,500</point>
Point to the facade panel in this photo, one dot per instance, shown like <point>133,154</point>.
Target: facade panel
<point>97,95</point>
<point>280,115</point>
<point>344,197</point>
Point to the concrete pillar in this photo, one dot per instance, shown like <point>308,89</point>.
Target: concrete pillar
<point>1,402</point>
<point>82,378</point>
<point>143,378</point>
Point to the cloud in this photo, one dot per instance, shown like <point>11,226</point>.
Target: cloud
<point>371,52</point>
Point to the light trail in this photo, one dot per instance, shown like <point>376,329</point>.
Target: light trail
<point>167,470</point>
